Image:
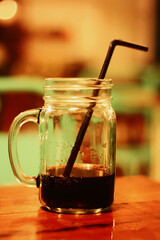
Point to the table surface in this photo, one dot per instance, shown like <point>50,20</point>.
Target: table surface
<point>135,214</point>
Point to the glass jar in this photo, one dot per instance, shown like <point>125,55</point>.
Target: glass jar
<point>77,128</point>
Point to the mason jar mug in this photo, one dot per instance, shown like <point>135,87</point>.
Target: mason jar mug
<point>77,130</point>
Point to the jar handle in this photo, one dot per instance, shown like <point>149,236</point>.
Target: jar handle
<point>24,117</point>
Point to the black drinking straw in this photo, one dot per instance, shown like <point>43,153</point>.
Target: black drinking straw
<point>88,115</point>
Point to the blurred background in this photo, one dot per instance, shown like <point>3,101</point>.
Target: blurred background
<point>51,38</point>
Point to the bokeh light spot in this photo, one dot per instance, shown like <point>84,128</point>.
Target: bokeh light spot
<point>8,9</point>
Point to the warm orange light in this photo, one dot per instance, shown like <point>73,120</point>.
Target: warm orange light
<point>8,9</point>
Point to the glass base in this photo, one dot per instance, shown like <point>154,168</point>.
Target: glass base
<point>77,210</point>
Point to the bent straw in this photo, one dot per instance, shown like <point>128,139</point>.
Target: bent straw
<point>88,115</point>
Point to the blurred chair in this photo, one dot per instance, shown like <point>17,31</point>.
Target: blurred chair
<point>18,94</point>
<point>151,80</point>
<point>134,108</point>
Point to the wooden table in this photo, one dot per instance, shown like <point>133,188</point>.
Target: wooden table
<point>135,215</point>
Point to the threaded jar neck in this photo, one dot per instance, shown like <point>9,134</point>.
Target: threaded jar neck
<point>77,90</point>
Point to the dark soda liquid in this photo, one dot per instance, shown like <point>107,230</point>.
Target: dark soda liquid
<point>88,187</point>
